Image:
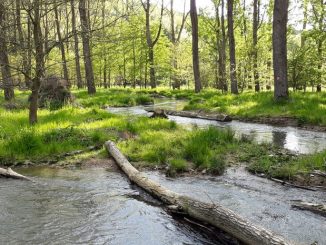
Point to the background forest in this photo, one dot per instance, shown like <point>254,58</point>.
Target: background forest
<point>123,33</point>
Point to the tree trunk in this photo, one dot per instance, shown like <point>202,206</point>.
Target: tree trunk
<point>86,47</point>
<point>61,45</point>
<point>220,37</point>
<point>213,214</point>
<point>39,60</point>
<point>280,49</point>
<point>4,59</point>
<point>233,66</point>
<point>22,44</point>
<point>105,73</point>
<point>76,41</point>
<point>195,51</point>
<point>150,42</point>
<point>222,52</point>
<point>255,42</point>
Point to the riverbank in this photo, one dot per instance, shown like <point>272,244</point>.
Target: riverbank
<point>307,110</point>
<point>149,143</point>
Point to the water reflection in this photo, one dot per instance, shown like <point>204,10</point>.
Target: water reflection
<point>294,139</point>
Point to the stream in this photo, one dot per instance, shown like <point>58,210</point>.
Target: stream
<point>92,206</point>
<point>100,206</point>
<point>299,141</point>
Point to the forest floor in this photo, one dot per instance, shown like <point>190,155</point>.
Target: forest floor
<point>77,132</point>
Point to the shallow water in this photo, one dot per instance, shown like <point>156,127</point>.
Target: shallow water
<point>91,206</point>
<point>259,200</point>
<point>291,138</point>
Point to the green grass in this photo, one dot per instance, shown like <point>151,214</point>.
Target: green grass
<point>309,108</point>
<point>153,142</point>
<point>112,97</point>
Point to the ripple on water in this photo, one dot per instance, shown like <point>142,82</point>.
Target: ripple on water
<point>84,207</point>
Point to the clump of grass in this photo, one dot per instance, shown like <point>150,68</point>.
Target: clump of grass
<point>26,142</point>
<point>202,147</point>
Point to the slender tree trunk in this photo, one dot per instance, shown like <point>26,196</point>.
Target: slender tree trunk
<point>61,45</point>
<point>280,49</point>
<point>222,51</point>
<point>39,60</point>
<point>29,50</point>
<point>255,42</point>
<point>195,51</point>
<point>150,42</point>
<point>134,63</point>
<point>86,47</point>
<point>76,45</point>
<point>105,73</point>
<point>322,26</point>
<point>233,66</point>
<point>4,59</point>
<point>22,44</point>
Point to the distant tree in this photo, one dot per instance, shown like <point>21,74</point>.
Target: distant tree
<point>61,44</point>
<point>85,25</point>
<point>150,42</point>
<point>233,66</point>
<point>195,51</point>
<point>255,42</point>
<point>280,49</point>
<point>76,45</point>
<point>4,59</point>
<point>39,60</point>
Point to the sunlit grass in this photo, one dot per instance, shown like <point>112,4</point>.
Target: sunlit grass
<point>158,141</point>
<point>308,108</point>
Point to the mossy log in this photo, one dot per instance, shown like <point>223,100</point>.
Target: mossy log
<point>9,173</point>
<point>213,214</point>
<point>195,114</point>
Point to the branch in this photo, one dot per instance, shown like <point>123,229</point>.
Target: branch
<point>160,27</point>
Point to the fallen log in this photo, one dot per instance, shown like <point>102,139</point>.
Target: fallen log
<point>213,214</point>
<point>312,207</point>
<point>200,115</point>
<point>9,173</point>
<point>285,183</point>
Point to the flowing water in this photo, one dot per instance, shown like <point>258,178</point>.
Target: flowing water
<point>259,200</point>
<point>297,140</point>
<point>92,206</point>
<point>99,206</point>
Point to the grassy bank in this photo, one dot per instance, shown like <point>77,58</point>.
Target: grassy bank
<point>309,108</point>
<point>147,142</point>
<point>112,97</point>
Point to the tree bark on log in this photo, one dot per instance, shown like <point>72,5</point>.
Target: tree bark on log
<point>193,114</point>
<point>9,173</point>
<point>214,214</point>
<point>312,207</point>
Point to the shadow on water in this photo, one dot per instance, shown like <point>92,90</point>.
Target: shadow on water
<point>91,206</point>
<point>291,138</point>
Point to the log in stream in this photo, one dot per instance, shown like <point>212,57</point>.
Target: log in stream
<point>9,173</point>
<point>213,214</point>
<point>194,114</point>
